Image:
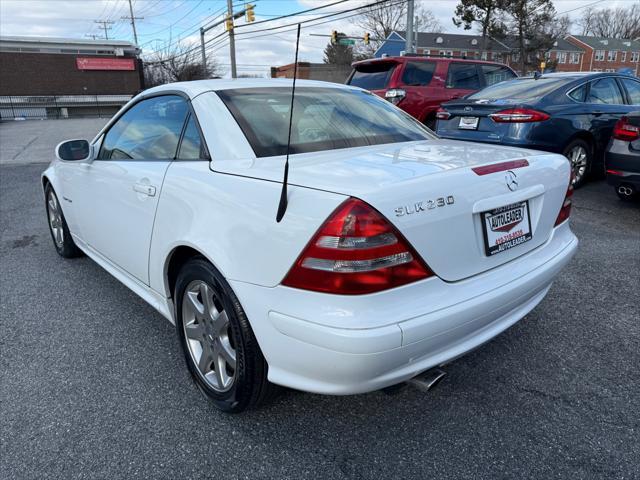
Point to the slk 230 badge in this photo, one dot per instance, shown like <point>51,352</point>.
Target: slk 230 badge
<point>424,206</point>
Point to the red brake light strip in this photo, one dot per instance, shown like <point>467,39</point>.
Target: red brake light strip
<point>500,167</point>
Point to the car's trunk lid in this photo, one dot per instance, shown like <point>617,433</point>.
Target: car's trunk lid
<point>430,191</point>
<point>462,112</point>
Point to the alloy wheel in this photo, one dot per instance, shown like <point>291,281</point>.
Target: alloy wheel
<point>578,157</point>
<point>55,219</point>
<point>208,336</point>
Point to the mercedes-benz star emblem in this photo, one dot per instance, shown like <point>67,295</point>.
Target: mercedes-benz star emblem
<point>512,180</point>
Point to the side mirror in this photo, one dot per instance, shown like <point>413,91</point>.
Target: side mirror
<point>73,150</point>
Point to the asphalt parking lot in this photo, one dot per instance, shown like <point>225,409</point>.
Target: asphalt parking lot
<point>93,384</point>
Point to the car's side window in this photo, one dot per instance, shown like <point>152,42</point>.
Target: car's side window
<point>633,89</point>
<point>418,73</point>
<point>464,76</point>
<point>605,91</point>
<point>192,146</point>
<point>496,73</point>
<point>148,130</point>
<point>578,93</point>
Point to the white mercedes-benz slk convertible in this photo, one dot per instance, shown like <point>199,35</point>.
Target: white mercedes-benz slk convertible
<point>397,252</point>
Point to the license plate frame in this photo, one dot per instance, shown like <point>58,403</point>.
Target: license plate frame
<point>500,237</point>
<point>468,123</point>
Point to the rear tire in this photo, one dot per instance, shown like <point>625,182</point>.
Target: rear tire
<point>62,240</point>
<point>219,346</point>
<point>580,156</point>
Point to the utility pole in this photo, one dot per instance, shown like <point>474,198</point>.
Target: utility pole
<point>91,35</point>
<point>105,26</point>
<point>228,21</point>
<point>133,22</point>
<point>204,54</point>
<point>232,41</point>
<point>409,33</point>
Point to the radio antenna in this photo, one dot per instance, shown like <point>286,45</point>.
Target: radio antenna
<point>282,206</point>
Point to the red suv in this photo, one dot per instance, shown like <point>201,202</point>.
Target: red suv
<point>419,84</point>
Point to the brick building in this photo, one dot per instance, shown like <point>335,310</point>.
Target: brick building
<point>608,54</point>
<point>575,53</point>
<point>447,45</point>
<point>313,71</point>
<point>53,77</point>
<point>566,56</point>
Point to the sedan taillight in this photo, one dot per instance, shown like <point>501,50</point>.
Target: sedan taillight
<point>519,115</point>
<point>565,210</point>
<point>442,114</point>
<point>356,251</point>
<point>623,130</point>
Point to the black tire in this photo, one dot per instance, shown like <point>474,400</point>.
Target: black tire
<point>249,387</point>
<point>64,244</point>
<point>580,172</point>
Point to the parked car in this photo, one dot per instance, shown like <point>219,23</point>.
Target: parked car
<point>419,84</point>
<point>398,251</point>
<point>623,157</point>
<point>569,113</point>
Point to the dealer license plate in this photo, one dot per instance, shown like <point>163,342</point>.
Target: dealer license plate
<point>468,123</point>
<point>506,227</point>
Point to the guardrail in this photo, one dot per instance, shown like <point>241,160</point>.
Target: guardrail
<point>60,106</point>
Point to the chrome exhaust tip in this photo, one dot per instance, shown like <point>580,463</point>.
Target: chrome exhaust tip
<point>624,190</point>
<point>427,380</point>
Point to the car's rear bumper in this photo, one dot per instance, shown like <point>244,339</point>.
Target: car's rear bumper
<point>343,345</point>
<point>625,164</point>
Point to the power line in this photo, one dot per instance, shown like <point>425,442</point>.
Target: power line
<point>302,12</point>
<point>270,29</point>
<point>379,2</point>
<point>580,7</point>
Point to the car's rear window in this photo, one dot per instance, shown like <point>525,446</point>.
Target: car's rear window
<point>323,119</point>
<point>372,76</point>
<point>519,89</point>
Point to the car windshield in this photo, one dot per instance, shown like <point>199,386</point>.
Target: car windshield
<point>323,119</point>
<point>519,89</point>
<point>372,76</point>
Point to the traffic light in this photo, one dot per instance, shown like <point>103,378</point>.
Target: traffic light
<point>250,16</point>
<point>334,37</point>
<point>366,39</point>
<point>229,24</point>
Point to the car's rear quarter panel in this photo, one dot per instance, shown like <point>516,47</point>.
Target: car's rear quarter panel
<point>231,221</point>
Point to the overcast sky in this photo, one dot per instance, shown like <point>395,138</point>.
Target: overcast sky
<point>170,21</point>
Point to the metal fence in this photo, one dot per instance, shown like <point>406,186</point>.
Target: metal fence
<point>60,106</point>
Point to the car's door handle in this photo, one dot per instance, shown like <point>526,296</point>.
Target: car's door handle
<point>149,190</point>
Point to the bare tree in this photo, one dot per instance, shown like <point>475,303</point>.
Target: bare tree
<point>380,20</point>
<point>618,22</point>
<point>178,63</point>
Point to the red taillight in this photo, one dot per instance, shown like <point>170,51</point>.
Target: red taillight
<point>519,115</point>
<point>565,210</point>
<point>442,114</point>
<point>623,130</point>
<point>356,251</point>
